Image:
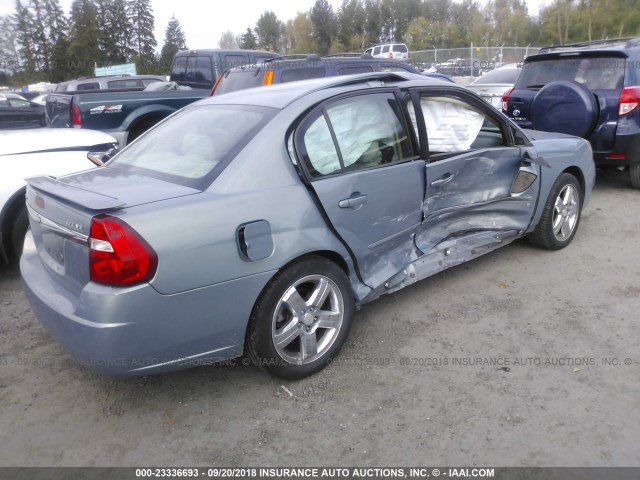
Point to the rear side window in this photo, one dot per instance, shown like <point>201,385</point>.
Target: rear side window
<point>18,103</point>
<point>239,80</point>
<point>354,70</point>
<point>385,49</point>
<point>234,61</point>
<point>401,48</point>
<point>368,132</point>
<point>596,73</point>
<point>194,145</point>
<point>179,69</point>
<point>294,74</point>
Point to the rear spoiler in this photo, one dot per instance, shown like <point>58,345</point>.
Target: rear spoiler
<point>77,196</point>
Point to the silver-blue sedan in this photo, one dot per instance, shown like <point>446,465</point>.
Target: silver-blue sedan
<point>256,222</point>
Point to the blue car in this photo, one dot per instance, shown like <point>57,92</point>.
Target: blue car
<point>257,222</point>
<point>589,89</point>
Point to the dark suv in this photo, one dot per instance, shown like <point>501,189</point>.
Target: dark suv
<point>591,90</point>
<point>304,67</point>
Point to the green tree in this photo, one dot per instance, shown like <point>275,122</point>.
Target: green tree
<point>351,20</point>
<point>248,40</point>
<point>142,23</point>
<point>269,31</point>
<point>373,21</point>
<point>174,41</point>
<point>324,25</point>
<point>84,49</point>
<point>303,40</point>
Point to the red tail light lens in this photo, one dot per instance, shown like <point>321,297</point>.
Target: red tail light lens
<point>505,100</point>
<point>76,116</point>
<point>629,100</point>
<point>119,256</point>
<point>390,54</point>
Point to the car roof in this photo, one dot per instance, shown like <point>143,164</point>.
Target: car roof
<point>311,60</point>
<point>12,95</point>
<point>280,95</point>
<point>604,46</point>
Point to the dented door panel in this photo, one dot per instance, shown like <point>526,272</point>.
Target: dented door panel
<point>472,192</point>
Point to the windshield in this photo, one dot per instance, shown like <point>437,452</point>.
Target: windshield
<point>596,73</point>
<point>193,146</point>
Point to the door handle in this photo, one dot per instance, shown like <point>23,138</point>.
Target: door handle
<point>354,201</point>
<point>444,180</point>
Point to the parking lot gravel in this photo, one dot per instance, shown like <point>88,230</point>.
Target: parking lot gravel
<point>522,357</point>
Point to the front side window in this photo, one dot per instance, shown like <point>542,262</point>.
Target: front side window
<point>368,132</point>
<point>18,103</point>
<point>454,125</point>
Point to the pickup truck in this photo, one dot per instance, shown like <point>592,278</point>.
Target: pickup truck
<point>123,114</point>
<point>126,113</point>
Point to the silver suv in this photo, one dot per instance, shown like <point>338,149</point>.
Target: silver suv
<point>397,51</point>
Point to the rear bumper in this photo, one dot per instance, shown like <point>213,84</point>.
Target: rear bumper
<point>137,331</point>
<point>625,152</point>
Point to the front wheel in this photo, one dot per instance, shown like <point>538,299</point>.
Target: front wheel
<point>561,215</point>
<point>301,319</point>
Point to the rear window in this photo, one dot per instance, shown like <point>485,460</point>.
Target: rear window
<point>239,80</point>
<point>88,86</point>
<point>234,61</point>
<point>127,83</point>
<point>400,48</point>
<point>294,74</point>
<point>596,73</point>
<point>179,68</point>
<point>500,75</point>
<point>194,145</point>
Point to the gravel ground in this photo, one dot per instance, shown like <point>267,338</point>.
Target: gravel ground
<point>562,323</point>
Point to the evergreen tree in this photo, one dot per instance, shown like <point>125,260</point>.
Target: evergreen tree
<point>141,19</point>
<point>24,24</point>
<point>121,30</point>
<point>324,21</point>
<point>9,50</point>
<point>84,50</point>
<point>174,41</point>
<point>269,30</point>
<point>248,40</point>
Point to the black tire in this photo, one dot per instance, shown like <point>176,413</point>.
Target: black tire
<point>273,313</point>
<point>545,234</point>
<point>634,175</point>
<point>18,232</point>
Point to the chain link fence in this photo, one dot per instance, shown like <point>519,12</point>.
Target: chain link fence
<point>482,58</point>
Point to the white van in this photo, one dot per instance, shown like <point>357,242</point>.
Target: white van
<point>397,51</point>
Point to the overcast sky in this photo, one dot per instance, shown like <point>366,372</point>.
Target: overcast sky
<point>203,23</point>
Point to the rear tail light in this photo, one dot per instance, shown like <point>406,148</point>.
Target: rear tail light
<point>268,77</point>
<point>76,116</point>
<point>215,85</point>
<point>390,54</point>
<point>629,100</point>
<point>505,100</point>
<point>118,255</point>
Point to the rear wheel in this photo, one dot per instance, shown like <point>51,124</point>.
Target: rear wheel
<point>634,175</point>
<point>561,215</point>
<point>301,320</point>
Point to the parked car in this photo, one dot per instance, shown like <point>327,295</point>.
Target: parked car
<point>40,151</point>
<point>303,67</point>
<point>201,68</point>
<point>126,113</point>
<point>40,99</point>
<point>17,112</point>
<point>109,82</point>
<point>492,85</point>
<point>396,51</point>
<point>589,89</point>
<point>258,220</point>
<point>461,67</point>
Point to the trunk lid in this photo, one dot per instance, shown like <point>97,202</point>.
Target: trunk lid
<point>61,210</point>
